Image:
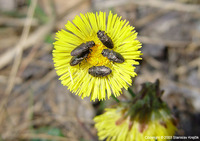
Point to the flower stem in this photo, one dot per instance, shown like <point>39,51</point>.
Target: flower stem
<point>131,92</point>
<point>116,99</point>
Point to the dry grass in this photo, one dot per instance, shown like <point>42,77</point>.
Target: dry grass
<point>31,97</point>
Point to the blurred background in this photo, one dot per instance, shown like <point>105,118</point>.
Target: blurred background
<point>35,106</point>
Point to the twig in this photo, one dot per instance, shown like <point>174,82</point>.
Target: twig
<point>45,80</point>
<point>38,35</point>
<point>28,59</point>
<point>105,4</point>
<point>19,49</point>
<point>44,136</point>
<point>168,5</point>
<point>4,80</point>
<point>183,69</point>
<point>60,16</point>
<point>188,91</point>
<point>147,19</point>
<point>169,43</point>
<point>86,129</point>
<point>153,62</point>
<point>16,22</point>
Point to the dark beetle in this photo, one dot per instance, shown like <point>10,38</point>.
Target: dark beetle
<point>113,56</point>
<point>99,71</point>
<point>77,59</point>
<point>82,48</point>
<point>105,39</point>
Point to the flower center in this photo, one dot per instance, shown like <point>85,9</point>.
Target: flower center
<point>95,58</point>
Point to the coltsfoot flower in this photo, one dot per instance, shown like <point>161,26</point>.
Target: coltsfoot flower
<point>115,127</point>
<point>95,55</point>
<point>146,117</point>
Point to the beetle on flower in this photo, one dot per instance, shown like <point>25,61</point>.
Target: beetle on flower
<point>116,35</point>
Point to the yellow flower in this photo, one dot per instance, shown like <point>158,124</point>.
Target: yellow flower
<point>113,126</point>
<point>145,117</point>
<point>80,32</point>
